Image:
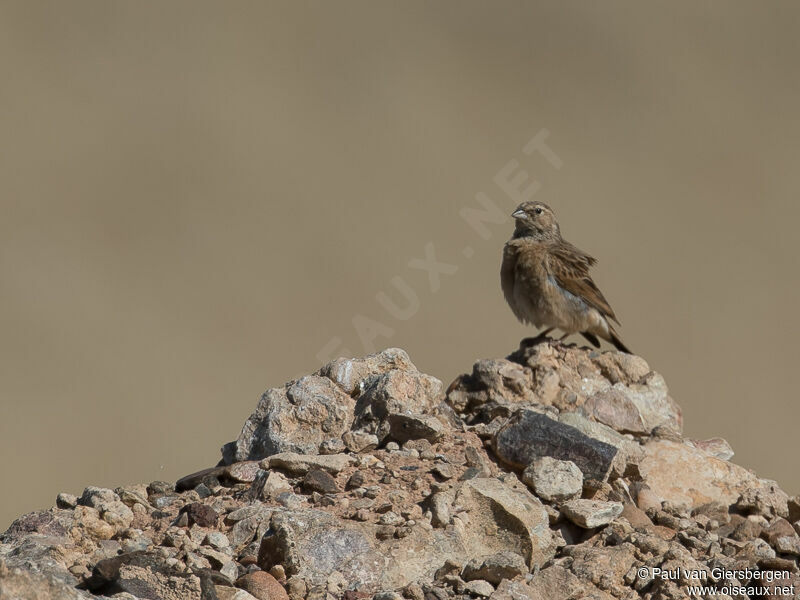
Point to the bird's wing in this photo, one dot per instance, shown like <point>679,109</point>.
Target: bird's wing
<point>570,268</point>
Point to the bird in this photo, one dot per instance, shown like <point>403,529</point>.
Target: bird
<point>546,280</point>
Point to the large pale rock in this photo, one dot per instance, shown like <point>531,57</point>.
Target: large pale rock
<point>591,513</point>
<point>529,435</point>
<point>295,418</point>
<point>688,477</point>
<point>516,519</point>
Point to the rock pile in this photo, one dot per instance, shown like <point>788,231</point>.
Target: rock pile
<point>557,473</point>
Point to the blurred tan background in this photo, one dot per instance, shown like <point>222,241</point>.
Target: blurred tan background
<point>196,198</point>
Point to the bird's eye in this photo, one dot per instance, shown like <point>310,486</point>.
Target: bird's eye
<point>538,210</point>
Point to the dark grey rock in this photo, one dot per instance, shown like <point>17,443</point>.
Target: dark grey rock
<point>529,435</point>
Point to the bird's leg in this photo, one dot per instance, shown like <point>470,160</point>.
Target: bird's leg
<point>532,341</point>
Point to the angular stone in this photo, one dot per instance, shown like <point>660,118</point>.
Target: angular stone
<point>591,513</point>
<point>512,510</point>
<point>300,463</point>
<point>766,499</point>
<point>636,407</point>
<point>394,392</point>
<point>317,480</point>
<point>225,592</point>
<point>332,446</point>
<point>554,480</point>
<point>495,568</point>
<point>406,426</point>
<point>360,441</point>
<point>479,588</point>
<point>349,373</point>
<point>529,435</point>
<point>295,418</point>
<point>202,514</point>
<point>243,472</point>
<point>18,584</point>
<point>716,447</point>
<point>112,510</point>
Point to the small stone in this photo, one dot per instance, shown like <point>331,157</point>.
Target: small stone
<point>440,509</point>
<point>332,446</point>
<point>296,588</point>
<point>636,517</point>
<point>317,480</point>
<point>789,544</point>
<point>385,532</point>
<point>223,593</point>
<point>203,490</point>
<point>262,586</point>
<point>391,518</point>
<point>495,568</point>
<point>480,588</point>
<point>201,514</point>
<point>243,472</point>
<point>554,480</point>
<point>414,591</point>
<point>64,500</point>
<point>302,463</point>
<point>217,540</point>
<point>160,487</point>
<point>421,446</point>
<point>392,447</point>
<point>274,484</point>
<point>360,441</point>
<point>591,513</point>
<point>443,470</point>
<point>278,572</point>
<point>289,500</point>
<point>387,596</point>
<point>648,500</point>
<point>230,571</point>
<point>404,427</point>
<point>356,480</point>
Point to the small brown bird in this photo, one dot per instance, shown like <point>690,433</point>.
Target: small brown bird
<point>546,280</point>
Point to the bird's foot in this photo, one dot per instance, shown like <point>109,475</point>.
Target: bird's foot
<point>538,339</point>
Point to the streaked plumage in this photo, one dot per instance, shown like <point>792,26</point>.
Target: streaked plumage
<point>546,280</point>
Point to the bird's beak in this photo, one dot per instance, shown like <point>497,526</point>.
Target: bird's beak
<point>518,214</point>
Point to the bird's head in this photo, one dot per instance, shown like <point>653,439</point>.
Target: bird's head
<point>536,219</point>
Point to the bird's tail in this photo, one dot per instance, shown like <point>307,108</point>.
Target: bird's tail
<point>618,344</point>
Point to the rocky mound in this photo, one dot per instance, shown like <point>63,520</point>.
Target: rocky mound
<point>556,473</point>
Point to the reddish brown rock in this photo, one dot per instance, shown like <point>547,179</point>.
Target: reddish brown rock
<point>262,586</point>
